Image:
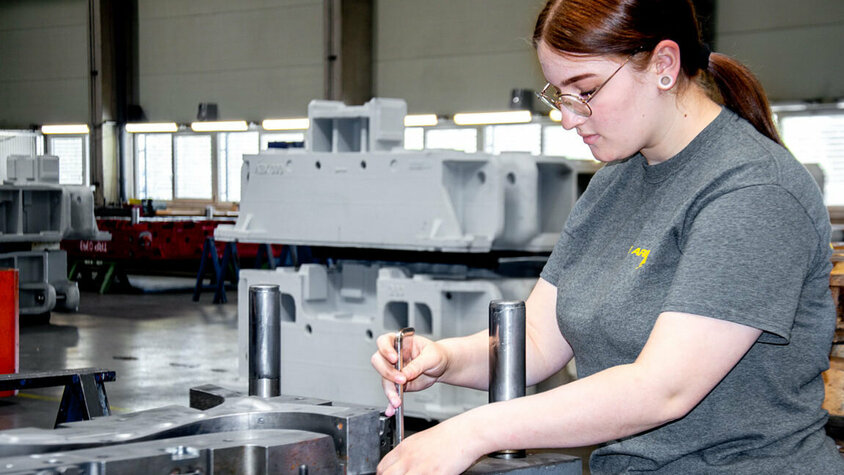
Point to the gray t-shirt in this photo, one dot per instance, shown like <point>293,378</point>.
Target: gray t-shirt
<point>733,227</point>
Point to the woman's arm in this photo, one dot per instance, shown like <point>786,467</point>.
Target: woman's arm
<point>684,358</point>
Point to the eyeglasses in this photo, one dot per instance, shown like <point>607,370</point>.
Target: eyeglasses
<point>576,104</point>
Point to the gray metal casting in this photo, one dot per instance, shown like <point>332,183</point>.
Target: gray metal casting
<point>355,186</point>
<point>36,210</point>
<point>42,281</point>
<point>330,317</point>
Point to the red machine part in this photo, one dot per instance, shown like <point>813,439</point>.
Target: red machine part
<point>8,324</point>
<point>159,239</point>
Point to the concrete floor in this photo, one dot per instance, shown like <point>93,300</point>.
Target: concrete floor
<point>159,344</point>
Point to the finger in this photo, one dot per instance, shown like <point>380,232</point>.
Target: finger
<point>386,346</point>
<point>425,361</point>
<point>387,370</point>
<point>391,392</point>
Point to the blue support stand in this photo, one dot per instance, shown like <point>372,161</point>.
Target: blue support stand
<point>219,268</point>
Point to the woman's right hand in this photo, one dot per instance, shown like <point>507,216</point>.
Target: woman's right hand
<point>424,362</point>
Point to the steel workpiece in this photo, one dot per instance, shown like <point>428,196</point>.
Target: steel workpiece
<point>507,378</point>
<point>264,341</point>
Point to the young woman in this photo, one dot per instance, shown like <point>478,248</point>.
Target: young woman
<point>691,280</point>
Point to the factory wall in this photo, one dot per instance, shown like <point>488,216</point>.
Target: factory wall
<point>444,56</point>
<point>793,47</point>
<point>254,58</point>
<point>43,62</point>
<point>264,58</point>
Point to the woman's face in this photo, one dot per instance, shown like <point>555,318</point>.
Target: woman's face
<point>624,116</point>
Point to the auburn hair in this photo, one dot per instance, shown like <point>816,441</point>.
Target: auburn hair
<point>635,27</point>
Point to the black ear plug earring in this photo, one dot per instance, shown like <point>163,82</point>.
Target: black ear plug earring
<point>665,81</point>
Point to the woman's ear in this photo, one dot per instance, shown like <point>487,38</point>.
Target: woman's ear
<point>665,64</point>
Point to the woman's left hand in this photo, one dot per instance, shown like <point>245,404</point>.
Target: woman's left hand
<point>447,448</point>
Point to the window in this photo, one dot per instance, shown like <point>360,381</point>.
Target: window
<point>231,148</point>
<point>192,166</point>
<point>513,138</point>
<point>414,138</point>
<point>154,159</point>
<point>819,138</point>
<point>558,141</point>
<point>72,158</point>
<point>464,140</point>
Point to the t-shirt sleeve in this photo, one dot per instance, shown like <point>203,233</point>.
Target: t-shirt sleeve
<point>554,266</point>
<point>744,259</point>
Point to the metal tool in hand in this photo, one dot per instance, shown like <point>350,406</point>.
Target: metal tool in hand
<point>399,345</point>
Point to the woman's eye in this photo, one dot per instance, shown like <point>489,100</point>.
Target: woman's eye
<point>586,94</point>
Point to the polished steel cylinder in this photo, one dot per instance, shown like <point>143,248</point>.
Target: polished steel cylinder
<point>399,345</point>
<point>136,215</point>
<point>264,341</point>
<point>507,378</point>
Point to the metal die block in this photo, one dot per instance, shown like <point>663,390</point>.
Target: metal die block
<point>431,200</point>
<point>331,317</point>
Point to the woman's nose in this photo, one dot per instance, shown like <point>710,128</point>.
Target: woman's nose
<point>569,119</point>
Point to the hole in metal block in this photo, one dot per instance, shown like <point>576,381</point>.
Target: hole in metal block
<point>288,308</point>
<point>396,315</point>
<point>423,319</point>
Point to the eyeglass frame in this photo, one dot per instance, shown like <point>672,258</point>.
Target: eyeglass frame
<point>556,102</point>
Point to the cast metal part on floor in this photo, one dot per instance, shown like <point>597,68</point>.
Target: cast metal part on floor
<point>236,434</point>
<point>84,394</point>
<point>241,435</point>
<point>36,214</point>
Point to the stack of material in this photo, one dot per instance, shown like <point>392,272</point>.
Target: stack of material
<point>834,377</point>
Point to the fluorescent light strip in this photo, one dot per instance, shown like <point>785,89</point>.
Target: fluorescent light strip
<point>286,124</point>
<point>491,118</point>
<point>220,126</point>
<point>556,115</point>
<point>151,127</point>
<point>65,129</point>
<point>420,120</point>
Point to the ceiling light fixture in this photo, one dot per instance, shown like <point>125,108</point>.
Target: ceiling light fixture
<point>220,126</point>
<point>151,127</point>
<point>286,124</point>
<point>65,129</point>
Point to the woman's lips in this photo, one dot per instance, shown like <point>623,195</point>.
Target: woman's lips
<point>590,139</point>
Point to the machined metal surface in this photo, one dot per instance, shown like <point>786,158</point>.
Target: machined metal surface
<point>400,346</point>
<point>542,463</point>
<point>264,341</point>
<point>506,350</point>
<point>238,452</point>
<point>507,376</point>
<point>355,434</point>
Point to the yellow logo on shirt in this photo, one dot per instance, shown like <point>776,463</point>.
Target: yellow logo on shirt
<point>643,253</point>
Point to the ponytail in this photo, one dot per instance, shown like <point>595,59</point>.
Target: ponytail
<point>741,92</point>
